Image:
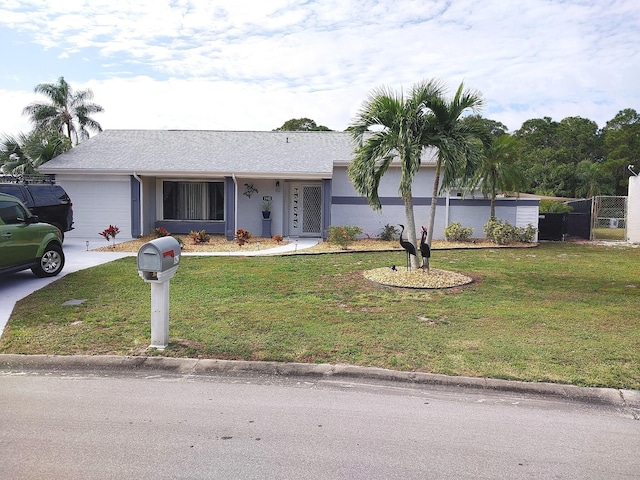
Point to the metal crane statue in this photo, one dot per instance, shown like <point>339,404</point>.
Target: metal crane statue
<point>425,250</point>
<point>409,247</point>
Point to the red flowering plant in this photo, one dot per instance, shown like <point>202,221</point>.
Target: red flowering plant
<point>110,233</point>
<point>243,236</point>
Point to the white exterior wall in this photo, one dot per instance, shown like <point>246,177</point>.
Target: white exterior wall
<point>98,201</point>
<point>633,210</point>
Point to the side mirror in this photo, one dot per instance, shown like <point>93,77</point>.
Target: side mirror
<point>32,219</point>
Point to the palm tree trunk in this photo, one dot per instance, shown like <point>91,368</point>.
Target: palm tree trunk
<point>493,205</point>
<point>434,200</point>
<point>411,231</point>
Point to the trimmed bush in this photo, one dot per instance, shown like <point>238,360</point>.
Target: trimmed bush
<point>503,233</point>
<point>343,236</point>
<point>455,232</point>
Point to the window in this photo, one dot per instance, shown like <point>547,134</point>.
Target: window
<point>11,213</point>
<point>193,200</point>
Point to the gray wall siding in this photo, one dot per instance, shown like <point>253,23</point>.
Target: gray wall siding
<point>348,208</point>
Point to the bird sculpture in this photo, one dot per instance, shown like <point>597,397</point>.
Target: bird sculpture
<point>425,250</point>
<point>409,247</point>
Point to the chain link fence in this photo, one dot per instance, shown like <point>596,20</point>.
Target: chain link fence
<point>609,218</point>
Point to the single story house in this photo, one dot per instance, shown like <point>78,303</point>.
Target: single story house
<point>218,181</point>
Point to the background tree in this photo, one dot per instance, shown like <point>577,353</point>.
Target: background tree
<point>398,128</point>
<point>458,143</point>
<point>302,124</point>
<point>67,112</point>
<point>553,150</point>
<point>23,154</point>
<point>622,147</point>
<point>498,171</point>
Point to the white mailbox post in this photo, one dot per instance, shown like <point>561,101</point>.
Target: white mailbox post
<point>158,261</point>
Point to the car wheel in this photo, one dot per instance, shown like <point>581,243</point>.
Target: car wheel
<point>51,262</point>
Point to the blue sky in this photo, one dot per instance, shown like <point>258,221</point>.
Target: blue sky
<point>253,64</point>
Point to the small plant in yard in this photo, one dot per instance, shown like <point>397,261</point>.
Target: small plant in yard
<point>343,235</point>
<point>110,233</point>
<point>389,232</point>
<point>161,232</point>
<point>243,236</point>
<point>180,242</point>
<point>199,237</point>
<point>278,238</point>
<point>455,232</point>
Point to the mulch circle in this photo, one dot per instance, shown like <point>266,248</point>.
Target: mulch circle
<point>432,279</point>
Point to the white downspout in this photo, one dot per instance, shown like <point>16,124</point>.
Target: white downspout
<point>135,175</point>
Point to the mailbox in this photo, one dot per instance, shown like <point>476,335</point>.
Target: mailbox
<point>158,259</point>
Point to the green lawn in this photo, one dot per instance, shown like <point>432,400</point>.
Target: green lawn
<point>559,312</point>
<point>609,233</point>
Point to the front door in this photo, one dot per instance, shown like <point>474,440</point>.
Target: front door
<point>305,210</point>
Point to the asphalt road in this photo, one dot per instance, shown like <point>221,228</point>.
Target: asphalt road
<point>109,425</point>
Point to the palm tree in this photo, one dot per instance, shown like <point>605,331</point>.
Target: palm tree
<point>22,155</point>
<point>68,112</point>
<point>457,142</point>
<point>397,122</point>
<point>498,171</point>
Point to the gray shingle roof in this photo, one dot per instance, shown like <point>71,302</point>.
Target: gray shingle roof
<point>282,154</point>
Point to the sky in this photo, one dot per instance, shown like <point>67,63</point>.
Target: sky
<point>253,64</point>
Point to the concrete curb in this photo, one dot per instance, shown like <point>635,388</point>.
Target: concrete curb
<point>622,399</point>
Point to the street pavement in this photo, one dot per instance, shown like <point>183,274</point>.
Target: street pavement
<point>177,419</point>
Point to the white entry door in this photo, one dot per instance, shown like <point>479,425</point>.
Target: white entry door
<point>305,210</point>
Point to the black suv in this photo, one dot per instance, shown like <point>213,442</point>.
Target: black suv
<point>49,202</point>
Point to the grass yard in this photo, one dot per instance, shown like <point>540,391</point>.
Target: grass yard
<point>560,312</point>
<point>609,233</point>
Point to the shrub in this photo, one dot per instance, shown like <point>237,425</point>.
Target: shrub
<point>161,232</point>
<point>526,234</point>
<point>278,238</point>
<point>455,232</point>
<point>503,233</point>
<point>109,233</point>
<point>199,236</point>
<point>553,206</point>
<point>243,236</point>
<point>389,232</point>
<point>343,235</point>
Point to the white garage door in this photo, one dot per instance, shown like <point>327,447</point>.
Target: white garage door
<point>98,203</point>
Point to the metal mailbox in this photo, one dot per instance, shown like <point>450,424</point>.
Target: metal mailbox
<point>158,259</point>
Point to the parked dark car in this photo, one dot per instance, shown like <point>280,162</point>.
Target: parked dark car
<point>49,202</point>
<point>26,243</point>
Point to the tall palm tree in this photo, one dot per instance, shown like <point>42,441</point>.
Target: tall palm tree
<point>397,122</point>
<point>498,171</point>
<point>67,112</point>
<point>23,154</point>
<point>457,142</point>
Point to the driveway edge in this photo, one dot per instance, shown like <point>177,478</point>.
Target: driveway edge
<point>620,398</point>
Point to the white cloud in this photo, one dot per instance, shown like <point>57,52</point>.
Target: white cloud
<point>253,65</point>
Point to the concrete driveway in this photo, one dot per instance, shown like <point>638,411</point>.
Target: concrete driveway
<point>16,286</point>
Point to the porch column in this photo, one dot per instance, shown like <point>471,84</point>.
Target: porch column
<point>229,208</point>
<point>326,207</point>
